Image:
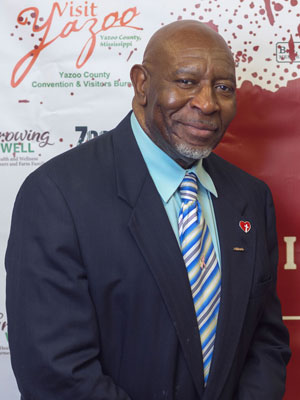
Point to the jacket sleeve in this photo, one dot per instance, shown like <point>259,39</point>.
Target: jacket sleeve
<point>53,328</point>
<point>264,372</point>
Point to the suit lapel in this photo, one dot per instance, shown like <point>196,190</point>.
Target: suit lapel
<point>237,264</point>
<point>151,229</point>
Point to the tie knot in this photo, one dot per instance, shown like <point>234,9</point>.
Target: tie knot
<point>189,187</point>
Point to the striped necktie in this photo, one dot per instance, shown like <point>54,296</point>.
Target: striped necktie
<point>202,266</point>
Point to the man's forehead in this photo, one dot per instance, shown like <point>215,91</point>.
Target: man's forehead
<point>195,44</point>
<point>194,56</point>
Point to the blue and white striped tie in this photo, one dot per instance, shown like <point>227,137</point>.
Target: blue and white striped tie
<point>202,266</point>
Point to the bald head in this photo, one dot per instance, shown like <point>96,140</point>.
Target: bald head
<point>178,35</point>
<point>185,90</point>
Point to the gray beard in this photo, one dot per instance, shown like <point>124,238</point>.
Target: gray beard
<point>191,152</point>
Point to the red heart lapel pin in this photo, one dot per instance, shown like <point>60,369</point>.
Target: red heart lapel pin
<point>245,226</point>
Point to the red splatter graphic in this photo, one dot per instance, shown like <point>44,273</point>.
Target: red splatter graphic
<point>255,48</point>
<point>291,50</point>
<point>294,3</point>
<point>269,12</point>
<point>61,139</point>
<point>212,25</point>
<point>130,54</point>
<point>278,6</point>
<point>23,101</point>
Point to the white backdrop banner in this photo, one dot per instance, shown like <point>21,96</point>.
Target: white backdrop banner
<point>64,79</point>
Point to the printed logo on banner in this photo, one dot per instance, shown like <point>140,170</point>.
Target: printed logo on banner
<point>23,148</point>
<point>287,52</point>
<point>68,19</point>
<point>86,135</point>
<point>4,349</point>
<point>83,79</point>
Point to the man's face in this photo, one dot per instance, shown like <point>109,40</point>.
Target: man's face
<point>190,98</point>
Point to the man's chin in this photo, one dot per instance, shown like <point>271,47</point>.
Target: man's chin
<point>193,153</point>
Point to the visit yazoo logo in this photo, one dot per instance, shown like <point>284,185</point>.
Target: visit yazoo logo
<point>66,19</point>
<point>288,52</point>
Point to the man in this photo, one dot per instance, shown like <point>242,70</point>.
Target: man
<point>102,297</point>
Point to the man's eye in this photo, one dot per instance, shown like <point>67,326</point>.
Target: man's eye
<point>185,82</point>
<point>225,89</point>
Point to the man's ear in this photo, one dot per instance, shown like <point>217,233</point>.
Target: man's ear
<point>139,78</point>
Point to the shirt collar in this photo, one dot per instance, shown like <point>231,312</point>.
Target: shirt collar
<point>165,172</point>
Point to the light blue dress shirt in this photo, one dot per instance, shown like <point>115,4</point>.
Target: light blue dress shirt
<point>167,176</point>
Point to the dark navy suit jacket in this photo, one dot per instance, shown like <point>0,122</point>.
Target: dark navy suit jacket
<point>98,299</point>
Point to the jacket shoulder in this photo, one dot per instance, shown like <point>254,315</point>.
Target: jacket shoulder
<point>226,169</point>
<point>226,175</point>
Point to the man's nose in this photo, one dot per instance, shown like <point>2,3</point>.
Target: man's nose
<point>205,100</point>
